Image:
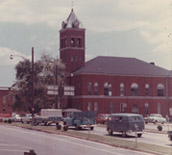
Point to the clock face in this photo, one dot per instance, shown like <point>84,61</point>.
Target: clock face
<point>76,23</point>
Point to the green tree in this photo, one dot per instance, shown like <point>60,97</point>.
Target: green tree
<point>47,71</point>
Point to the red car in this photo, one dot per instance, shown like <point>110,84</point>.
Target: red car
<point>102,118</point>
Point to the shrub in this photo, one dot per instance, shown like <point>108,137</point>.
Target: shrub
<point>159,127</point>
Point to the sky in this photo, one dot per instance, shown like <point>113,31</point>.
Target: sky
<point>122,28</point>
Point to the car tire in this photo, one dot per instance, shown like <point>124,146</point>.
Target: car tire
<point>92,128</point>
<point>139,135</point>
<point>58,126</point>
<point>110,132</point>
<point>65,128</point>
<point>124,134</point>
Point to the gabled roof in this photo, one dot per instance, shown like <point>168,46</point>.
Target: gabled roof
<point>121,66</point>
<point>72,21</point>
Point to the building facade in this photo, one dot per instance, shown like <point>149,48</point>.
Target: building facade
<point>5,102</point>
<point>111,84</point>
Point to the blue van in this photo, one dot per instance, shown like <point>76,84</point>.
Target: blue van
<point>125,123</point>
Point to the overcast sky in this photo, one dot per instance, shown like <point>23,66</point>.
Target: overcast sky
<point>123,28</point>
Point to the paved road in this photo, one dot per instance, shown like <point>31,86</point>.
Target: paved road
<point>147,137</point>
<point>14,141</point>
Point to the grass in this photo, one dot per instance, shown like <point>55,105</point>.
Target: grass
<point>109,140</point>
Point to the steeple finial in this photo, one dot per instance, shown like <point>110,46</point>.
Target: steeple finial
<point>72,4</point>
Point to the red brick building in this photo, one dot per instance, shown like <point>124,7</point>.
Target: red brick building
<point>111,84</point>
<point>5,102</point>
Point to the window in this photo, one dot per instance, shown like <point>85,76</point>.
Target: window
<point>72,42</point>
<point>96,107</point>
<point>79,89</point>
<point>62,43</point>
<point>105,109</point>
<point>89,88</point>
<point>80,58</point>
<point>108,89</point>
<point>111,107</point>
<point>121,89</point>
<point>3,110</point>
<point>89,106</point>
<point>79,42</point>
<point>160,90</point>
<point>134,89</point>
<point>135,109</point>
<point>65,42</point>
<point>146,109</point>
<point>4,99</point>
<point>147,90</point>
<point>123,107</point>
<point>95,88</point>
<point>159,108</point>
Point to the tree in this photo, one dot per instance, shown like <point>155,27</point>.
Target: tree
<point>47,71</point>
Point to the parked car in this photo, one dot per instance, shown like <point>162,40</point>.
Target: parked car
<point>53,120</point>
<point>38,120</point>
<point>26,118</point>
<point>102,118</point>
<point>155,118</point>
<point>126,124</point>
<point>79,120</point>
<point>15,118</point>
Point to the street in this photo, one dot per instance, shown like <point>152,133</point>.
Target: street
<point>152,138</point>
<point>147,137</point>
<point>16,141</point>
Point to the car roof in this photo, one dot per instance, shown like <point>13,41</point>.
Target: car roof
<point>124,114</point>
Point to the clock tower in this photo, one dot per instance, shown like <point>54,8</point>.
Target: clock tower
<point>72,43</point>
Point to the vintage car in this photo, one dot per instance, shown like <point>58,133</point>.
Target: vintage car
<point>53,120</point>
<point>155,118</point>
<point>102,118</point>
<point>79,119</point>
<point>125,123</point>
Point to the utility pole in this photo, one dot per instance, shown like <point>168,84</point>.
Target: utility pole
<point>56,98</point>
<point>32,82</point>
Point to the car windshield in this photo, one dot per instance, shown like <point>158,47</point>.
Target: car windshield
<point>156,115</point>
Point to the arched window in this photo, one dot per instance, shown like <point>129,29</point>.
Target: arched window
<point>95,88</point>
<point>146,109</point>
<point>160,89</point>
<point>89,88</point>
<point>134,89</point>
<point>108,89</point>
<point>135,109</point>
<point>121,89</point>
<point>147,91</point>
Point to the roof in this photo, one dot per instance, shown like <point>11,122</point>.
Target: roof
<point>124,114</point>
<point>121,66</point>
<point>72,21</point>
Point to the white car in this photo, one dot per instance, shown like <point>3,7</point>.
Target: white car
<point>155,118</point>
<point>15,118</point>
<point>27,118</point>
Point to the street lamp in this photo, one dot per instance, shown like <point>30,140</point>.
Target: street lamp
<point>12,56</point>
